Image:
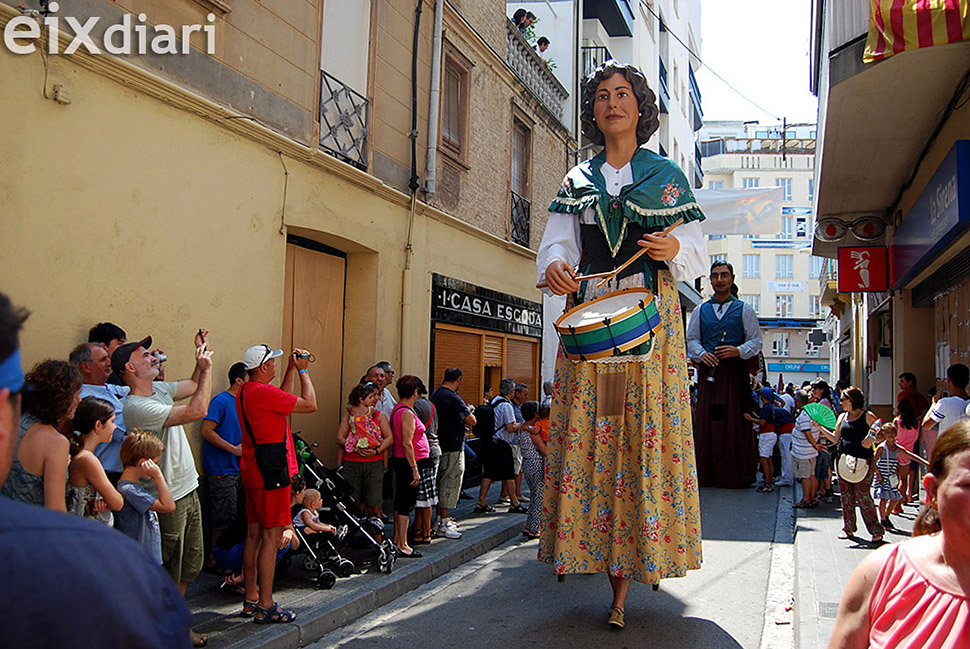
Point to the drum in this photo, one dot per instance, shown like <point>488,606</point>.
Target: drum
<point>613,323</point>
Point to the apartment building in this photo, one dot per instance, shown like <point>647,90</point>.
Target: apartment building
<point>776,274</point>
<point>352,176</point>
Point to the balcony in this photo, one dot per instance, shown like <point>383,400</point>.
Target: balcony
<point>521,210</point>
<point>698,170</point>
<point>828,286</point>
<point>756,145</point>
<point>533,71</point>
<point>344,121</point>
<point>663,97</point>
<point>695,101</point>
<point>616,16</point>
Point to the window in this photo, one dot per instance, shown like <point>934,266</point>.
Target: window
<point>811,349</point>
<point>787,228</point>
<point>714,258</point>
<point>801,227</point>
<point>521,141</point>
<point>780,344</point>
<point>454,109</point>
<point>811,190</point>
<point>784,306</point>
<point>751,266</point>
<point>785,184</point>
<point>752,300</point>
<point>814,306</point>
<point>817,264</point>
<point>783,267</point>
<point>748,183</point>
<point>715,184</point>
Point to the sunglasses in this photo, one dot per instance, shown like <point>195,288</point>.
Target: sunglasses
<point>266,354</point>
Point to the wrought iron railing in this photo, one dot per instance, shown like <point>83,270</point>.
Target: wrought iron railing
<point>664,94</point>
<point>344,121</point>
<point>533,71</point>
<point>698,168</point>
<point>593,57</point>
<point>521,219</point>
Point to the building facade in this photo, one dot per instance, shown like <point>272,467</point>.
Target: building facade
<point>320,177</point>
<point>776,274</point>
<point>893,166</point>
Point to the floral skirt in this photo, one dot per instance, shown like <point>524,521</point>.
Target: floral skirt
<point>620,491</point>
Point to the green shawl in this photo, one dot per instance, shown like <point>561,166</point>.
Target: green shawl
<point>658,196</point>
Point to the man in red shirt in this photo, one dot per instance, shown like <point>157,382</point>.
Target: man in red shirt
<point>908,391</point>
<point>264,408</point>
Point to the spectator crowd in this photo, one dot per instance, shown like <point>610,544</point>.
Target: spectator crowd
<point>102,436</point>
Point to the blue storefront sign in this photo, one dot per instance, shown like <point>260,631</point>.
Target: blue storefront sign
<point>819,368</point>
<point>939,215</point>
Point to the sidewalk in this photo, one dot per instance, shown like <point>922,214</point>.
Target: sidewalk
<point>321,611</point>
<point>824,563</point>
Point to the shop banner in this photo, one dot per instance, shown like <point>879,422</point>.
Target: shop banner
<point>936,219</point>
<point>863,269</point>
<point>458,302</point>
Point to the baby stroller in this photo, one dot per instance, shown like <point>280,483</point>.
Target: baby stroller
<point>341,508</point>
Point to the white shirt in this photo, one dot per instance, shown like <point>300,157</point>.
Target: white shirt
<point>561,241</point>
<point>948,411</point>
<point>789,402</point>
<point>752,332</point>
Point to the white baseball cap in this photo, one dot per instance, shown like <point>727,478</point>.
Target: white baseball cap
<point>259,354</point>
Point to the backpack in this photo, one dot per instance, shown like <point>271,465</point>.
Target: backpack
<point>485,420</point>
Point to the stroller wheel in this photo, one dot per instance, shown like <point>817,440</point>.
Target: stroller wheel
<point>385,561</point>
<point>326,580</point>
<point>310,563</point>
<point>345,568</point>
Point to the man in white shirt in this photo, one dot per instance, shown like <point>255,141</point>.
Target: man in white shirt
<point>948,410</point>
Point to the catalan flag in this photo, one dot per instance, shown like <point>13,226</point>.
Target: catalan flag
<point>899,25</point>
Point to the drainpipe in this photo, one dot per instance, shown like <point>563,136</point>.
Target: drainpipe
<point>432,171</point>
<point>413,186</point>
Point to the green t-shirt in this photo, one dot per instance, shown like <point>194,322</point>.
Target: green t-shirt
<point>149,414</point>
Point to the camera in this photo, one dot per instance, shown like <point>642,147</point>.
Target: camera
<point>159,356</point>
<point>306,355</point>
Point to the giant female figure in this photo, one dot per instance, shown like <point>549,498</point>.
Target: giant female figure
<point>620,492</point>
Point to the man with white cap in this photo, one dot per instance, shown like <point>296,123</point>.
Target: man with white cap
<point>263,410</point>
<point>150,407</point>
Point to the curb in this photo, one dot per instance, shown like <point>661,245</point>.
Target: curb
<point>312,625</point>
<point>778,630</point>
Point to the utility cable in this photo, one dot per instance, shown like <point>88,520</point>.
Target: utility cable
<point>666,28</point>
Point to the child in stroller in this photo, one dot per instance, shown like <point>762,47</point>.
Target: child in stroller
<point>307,520</point>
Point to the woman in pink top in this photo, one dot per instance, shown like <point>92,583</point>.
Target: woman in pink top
<point>914,594</point>
<point>907,432</point>
<point>411,454</point>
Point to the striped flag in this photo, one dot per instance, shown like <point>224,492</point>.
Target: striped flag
<point>899,25</point>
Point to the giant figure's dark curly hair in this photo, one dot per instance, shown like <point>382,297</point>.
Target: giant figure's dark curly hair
<point>646,100</point>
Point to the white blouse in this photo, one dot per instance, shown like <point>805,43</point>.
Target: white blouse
<point>561,240</point>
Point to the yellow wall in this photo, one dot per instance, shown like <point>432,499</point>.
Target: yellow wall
<point>126,207</point>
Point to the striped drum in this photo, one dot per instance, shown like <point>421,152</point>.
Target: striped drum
<point>613,323</point>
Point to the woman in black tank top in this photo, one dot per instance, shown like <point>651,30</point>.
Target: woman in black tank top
<point>852,436</point>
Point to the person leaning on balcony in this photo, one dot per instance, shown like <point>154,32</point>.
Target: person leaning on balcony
<point>607,209</point>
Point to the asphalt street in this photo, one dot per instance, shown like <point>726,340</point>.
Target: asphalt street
<point>506,598</point>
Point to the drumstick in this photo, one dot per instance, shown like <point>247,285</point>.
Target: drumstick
<point>579,278</point>
<point>632,259</point>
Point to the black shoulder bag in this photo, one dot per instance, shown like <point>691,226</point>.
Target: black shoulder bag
<point>271,457</point>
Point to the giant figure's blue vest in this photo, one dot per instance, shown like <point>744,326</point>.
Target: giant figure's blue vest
<point>713,330</point>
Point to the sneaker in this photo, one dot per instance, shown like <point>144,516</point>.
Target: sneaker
<point>448,531</point>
